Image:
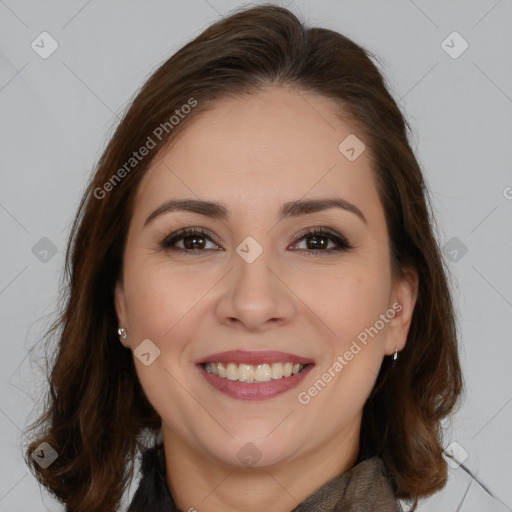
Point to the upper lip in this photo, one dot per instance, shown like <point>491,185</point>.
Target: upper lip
<point>254,357</point>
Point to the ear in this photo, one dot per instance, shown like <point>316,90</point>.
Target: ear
<point>120,306</point>
<point>404,295</point>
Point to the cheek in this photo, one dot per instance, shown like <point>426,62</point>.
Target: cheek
<point>158,296</point>
<point>348,298</point>
<point>351,304</point>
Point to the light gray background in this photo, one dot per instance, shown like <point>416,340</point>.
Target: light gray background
<point>57,114</point>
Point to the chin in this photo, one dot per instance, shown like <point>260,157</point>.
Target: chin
<point>247,452</point>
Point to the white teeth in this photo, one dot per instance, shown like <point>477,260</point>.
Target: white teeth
<point>232,371</point>
<point>245,373</point>
<point>277,370</point>
<point>253,373</point>
<point>263,373</point>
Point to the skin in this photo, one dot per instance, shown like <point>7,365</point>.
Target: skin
<point>252,154</point>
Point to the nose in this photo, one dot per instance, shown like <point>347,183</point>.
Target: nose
<point>255,296</point>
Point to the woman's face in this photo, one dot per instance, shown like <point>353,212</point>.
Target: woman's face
<point>250,291</point>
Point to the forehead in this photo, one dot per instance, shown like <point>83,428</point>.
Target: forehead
<point>261,149</point>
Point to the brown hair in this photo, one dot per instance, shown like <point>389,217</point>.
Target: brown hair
<point>96,411</point>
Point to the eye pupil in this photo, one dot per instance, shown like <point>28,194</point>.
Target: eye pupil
<point>190,241</point>
<point>315,244</point>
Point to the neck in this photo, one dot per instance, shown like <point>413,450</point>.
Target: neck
<point>201,483</point>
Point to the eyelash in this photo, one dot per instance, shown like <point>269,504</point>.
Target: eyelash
<point>341,242</point>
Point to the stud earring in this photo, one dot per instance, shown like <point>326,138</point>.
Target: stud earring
<point>122,333</point>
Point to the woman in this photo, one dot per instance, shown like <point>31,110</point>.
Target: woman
<point>254,282</point>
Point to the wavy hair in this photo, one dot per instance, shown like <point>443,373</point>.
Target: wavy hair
<point>96,413</point>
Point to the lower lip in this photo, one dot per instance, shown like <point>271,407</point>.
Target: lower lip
<point>255,390</point>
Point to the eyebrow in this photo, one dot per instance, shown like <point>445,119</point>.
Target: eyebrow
<point>290,209</point>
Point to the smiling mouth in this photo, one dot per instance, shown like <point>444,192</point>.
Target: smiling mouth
<point>249,373</point>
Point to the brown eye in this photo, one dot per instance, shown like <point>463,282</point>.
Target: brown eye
<point>193,240</point>
<point>317,240</point>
